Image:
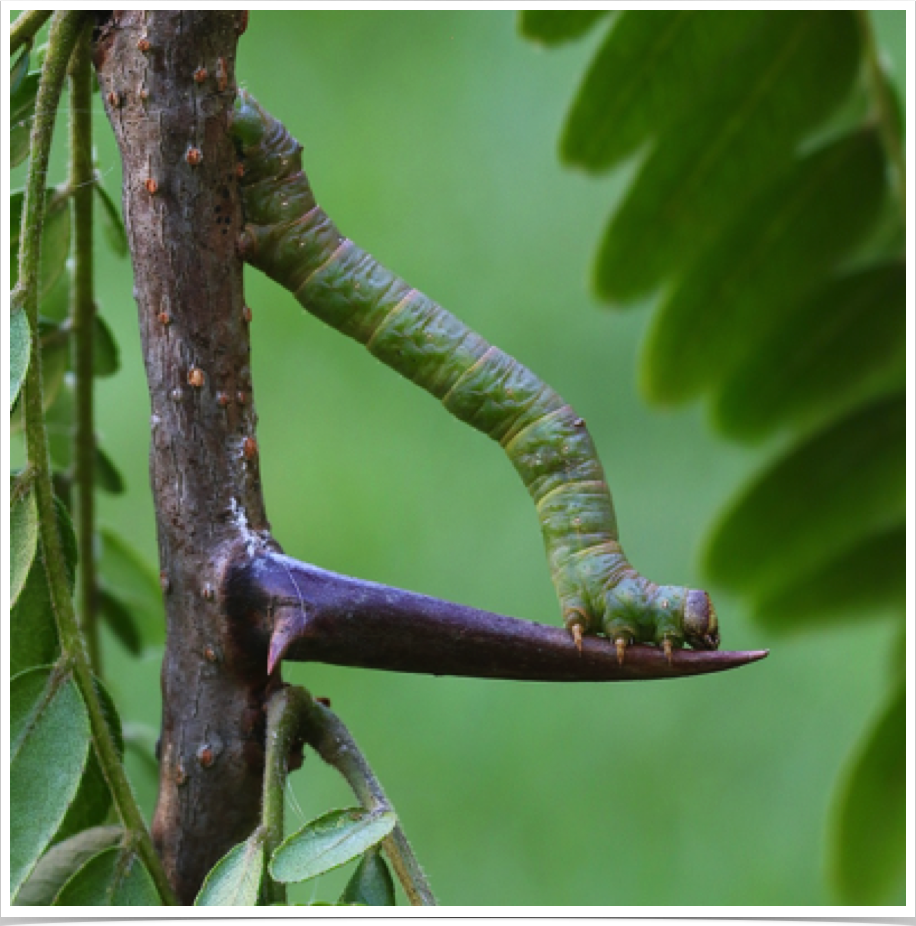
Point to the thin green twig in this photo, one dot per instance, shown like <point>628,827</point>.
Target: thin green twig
<point>328,736</point>
<point>26,27</point>
<point>82,316</point>
<point>66,29</point>
<point>284,712</point>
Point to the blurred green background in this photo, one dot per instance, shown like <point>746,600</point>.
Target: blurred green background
<point>431,138</point>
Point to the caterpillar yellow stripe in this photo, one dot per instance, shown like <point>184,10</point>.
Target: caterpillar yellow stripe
<point>290,238</point>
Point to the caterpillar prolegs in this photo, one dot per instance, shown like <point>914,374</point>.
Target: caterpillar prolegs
<point>290,238</point>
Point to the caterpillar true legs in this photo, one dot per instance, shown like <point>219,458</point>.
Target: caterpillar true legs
<point>291,239</point>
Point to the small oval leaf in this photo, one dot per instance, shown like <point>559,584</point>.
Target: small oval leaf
<point>235,880</point>
<point>106,358</point>
<point>112,878</point>
<point>20,351</point>
<point>120,622</point>
<point>371,884</point>
<point>126,575</point>
<point>62,861</point>
<point>107,476</point>
<point>19,71</point>
<point>23,537</point>
<point>115,234</point>
<point>55,239</point>
<point>49,750</point>
<point>22,111</point>
<point>328,842</point>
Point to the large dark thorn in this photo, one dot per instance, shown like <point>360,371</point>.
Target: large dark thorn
<point>311,615</point>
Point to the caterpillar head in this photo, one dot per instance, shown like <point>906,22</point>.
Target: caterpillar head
<point>248,120</point>
<point>701,626</point>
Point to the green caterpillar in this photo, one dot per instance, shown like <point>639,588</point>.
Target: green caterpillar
<point>290,238</point>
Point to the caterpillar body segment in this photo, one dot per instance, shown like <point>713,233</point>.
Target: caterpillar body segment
<point>291,239</point>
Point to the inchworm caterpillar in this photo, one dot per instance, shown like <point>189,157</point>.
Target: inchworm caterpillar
<point>290,238</point>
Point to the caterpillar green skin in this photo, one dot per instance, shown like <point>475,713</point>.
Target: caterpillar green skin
<point>290,238</point>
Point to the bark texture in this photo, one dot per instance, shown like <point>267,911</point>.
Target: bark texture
<point>168,81</point>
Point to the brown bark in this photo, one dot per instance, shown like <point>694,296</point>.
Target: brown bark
<point>168,81</point>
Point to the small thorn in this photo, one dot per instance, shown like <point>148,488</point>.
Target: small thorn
<point>621,645</point>
<point>576,631</point>
<point>669,651</point>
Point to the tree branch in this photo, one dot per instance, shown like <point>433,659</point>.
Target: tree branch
<point>291,610</point>
<point>26,27</point>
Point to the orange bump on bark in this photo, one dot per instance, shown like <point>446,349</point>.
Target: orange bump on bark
<point>222,399</point>
<point>196,377</point>
<point>152,186</point>
<point>200,75</point>
<point>250,448</point>
<point>143,45</point>
<point>240,170</point>
<point>164,318</point>
<point>114,98</point>
<point>205,756</point>
<point>194,156</point>
<point>246,314</point>
<point>241,398</point>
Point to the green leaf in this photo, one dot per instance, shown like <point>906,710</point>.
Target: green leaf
<point>650,68</point>
<point>115,234</point>
<point>55,239</point>
<point>840,344</point>
<point>868,854</point>
<point>106,359</point>
<point>371,884</point>
<point>62,861</point>
<point>92,804</point>
<point>20,350</point>
<point>33,631</point>
<point>33,628</point>
<point>22,111</point>
<point>49,737</point>
<point>19,71</point>
<point>553,27</point>
<point>328,842</point>
<point>815,503</point>
<point>120,621</point>
<point>59,422</point>
<point>868,579</point>
<point>107,476</point>
<point>773,255</point>
<point>55,360</point>
<point>235,880</point>
<point>127,576</point>
<point>112,878</point>
<point>722,142</point>
<point>140,740</point>
<point>23,536</point>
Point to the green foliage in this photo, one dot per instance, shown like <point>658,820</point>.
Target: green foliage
<point>552,28</point>
<point>766,214</point>
<point>334,839</point>
<point>55,244</point>
<point>49,743</point>
<point>328,842</point>
<point>62,861</point>
<point>63,721</point>
<point>23,535</point>
<point>112,878</point>
<point>870,814</point>
<point>24,90</point>
<point>236,879</point>
<point>20,349</point>
<point>371,884</point>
